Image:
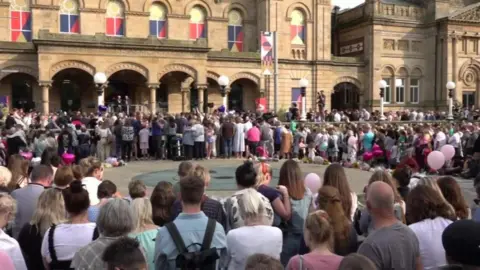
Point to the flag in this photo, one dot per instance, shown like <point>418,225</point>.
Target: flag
<point>266,52</point>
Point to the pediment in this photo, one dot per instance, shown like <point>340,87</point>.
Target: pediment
<point>469,13</point>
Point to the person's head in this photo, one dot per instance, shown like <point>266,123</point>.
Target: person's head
<point>292,178</point>
<point>260,261</point>
<point>251,208</point>
<point>106,189</point>
<point>192,189</point>
<point>137,189</point>
<point>50,210</point>
<point>202,172</point>
<point>380,200</point>
<point>329,200</point>
<point>264,174</point>
<point>5,176</point>
<point>318,230</point>
<point>48,157</point>
<point>385,177</point>
<point>63,177</point>
<point>94,168</point>
<point>76,199</point>
<point>78,172</point>
<point>115,218</point>
<point>42,174</point>
<point>402,176</point>
<point>461,241</point>
<point>356,261</point>
<point>8,208</point>
<point>18,166</point>
<point>142,213</point>
<point>453,194</point>
<point>162,200</point>
<point>184,168</point>
<point>124,254</point>
<point>246,175</point>
<point>423,202</point>
<point>335,176</point>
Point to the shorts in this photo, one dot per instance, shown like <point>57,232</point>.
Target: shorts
<point>144,145</point>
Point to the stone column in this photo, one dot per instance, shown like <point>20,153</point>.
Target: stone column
<point>201,90</point>
<point>454,65</point>
<point>185,91</point>
<point>153,97</point>
<point>46,85</point>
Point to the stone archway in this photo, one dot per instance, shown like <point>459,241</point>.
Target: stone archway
<point>178,91</point>
<point>244,90</point>
<point>72,90</point>
<point>345,95</point>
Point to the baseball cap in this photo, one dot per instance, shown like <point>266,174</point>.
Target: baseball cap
<point>461,241</point>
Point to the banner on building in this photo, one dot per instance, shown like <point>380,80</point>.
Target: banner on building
<point>266,52</point>
<point>261,105</point>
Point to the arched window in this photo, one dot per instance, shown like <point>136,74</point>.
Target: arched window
<point>69,17</point>
<point>20,21</point>
<point>115,19</point>
<point>235,31</point>
<point>387,76</point>
<point>158,20</point>
<point>297,28</point>
<point>198,28</point>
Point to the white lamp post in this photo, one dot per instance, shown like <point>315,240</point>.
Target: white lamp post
<point>303,83</point>
<point>100,79</point>
<point>450,86</point>
<point>382,85</point>
<point>223,81</point>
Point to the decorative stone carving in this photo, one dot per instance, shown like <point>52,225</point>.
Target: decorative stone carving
<point>389,44</point>
<point>351,48</point>
<point>19,69</point>
<point>472,15</point>
<point>212,75</point>
<point>71,64</point>
<point>180,68</point>
<point>127,66</point>
<point>348,79</point>
<point>187,83</point>
<point>245,75</point>
<point>469,77</point>
<point>403,45</point>
<point>416,46</point>
<point>153,85</point>
<point>47,84</point>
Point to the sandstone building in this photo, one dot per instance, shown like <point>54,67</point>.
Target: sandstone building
<point>168,54</point>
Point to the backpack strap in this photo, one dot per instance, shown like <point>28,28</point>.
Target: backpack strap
<point>51,249</point>
<point>96,234</point>
<point>207,239</point>
<point>176,237</point>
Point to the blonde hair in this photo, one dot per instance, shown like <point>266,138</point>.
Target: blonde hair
<point>142,213</point>
<point>5,176</point>
<point>262,170</point>
<point>251,207</point>
<point>319,229</point>
<point>8,205</point>
<point>200,172</point>
<point>50,210</point>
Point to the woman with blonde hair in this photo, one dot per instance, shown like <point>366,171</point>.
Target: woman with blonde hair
<point>5,178</point>
<point>251,238</point>
<point>145,231</point>
<point>50,211</point>
<point>319,236</point>
<point>8,207</point>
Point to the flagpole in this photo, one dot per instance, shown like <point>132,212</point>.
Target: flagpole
<point>275,72</point>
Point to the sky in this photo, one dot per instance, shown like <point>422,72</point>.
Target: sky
<point>347,3</point>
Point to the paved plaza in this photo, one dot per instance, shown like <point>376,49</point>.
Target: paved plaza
<point>223,175</point>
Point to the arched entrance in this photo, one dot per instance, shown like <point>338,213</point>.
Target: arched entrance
<point>18,90</point>
<point>72,86</point>
<point>177,92</point>
<point>345,95</point>
<point>242,96</point>
<point>125,83</point>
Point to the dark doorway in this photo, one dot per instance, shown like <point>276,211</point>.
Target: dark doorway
<point>70,84</point>
<point>345,96</point>
<point>124,83</point>
<point>22,91</point>
<point>235,98</point>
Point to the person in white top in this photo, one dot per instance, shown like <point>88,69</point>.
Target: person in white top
<point>8,244</point>
<point>252,238</point>
<point>429,215</point>
<point>93,178</point>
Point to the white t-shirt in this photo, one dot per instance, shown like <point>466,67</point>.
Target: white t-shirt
<point>91,185</point>
<point>429,234</point>
<point>455,140</point>
<point>67,240</point>
<point>248,240</point>
<point>11,247</point>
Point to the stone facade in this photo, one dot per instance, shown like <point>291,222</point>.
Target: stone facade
<point>169,54</point>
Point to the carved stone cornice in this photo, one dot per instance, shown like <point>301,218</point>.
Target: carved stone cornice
<point>4,4</point>
<point>17,47</point>
<point>185,90</point>
<point>137,13</point>
<point>153,85</point>
<point>93,10</point>
<point>48,7</point>
<point>202,86</point>
<point>178,16</point>
<point>467,14</point>
<point>217,19</point>
<point>47,84</point>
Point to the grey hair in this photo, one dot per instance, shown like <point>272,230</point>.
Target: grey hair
<point>115,218</point>
<point>251,207</point>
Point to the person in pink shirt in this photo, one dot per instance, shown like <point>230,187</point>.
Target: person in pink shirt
<point>253,138</point>
<point>5,261</point>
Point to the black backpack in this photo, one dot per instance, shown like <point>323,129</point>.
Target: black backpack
<point>204,259</point>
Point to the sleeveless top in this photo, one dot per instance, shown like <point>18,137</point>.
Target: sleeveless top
<point>300,210</point>
<point>55,264</point>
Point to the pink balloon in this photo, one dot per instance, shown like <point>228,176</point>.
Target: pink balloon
<point>377,153</point>
<point>367,156</point>
<point>313,182</point>
<point>26,155</point>
<point>376,148</point>
<point>68,158</point>
<point>436,160</point>
<point>448,151</point>
<point>352,141</point>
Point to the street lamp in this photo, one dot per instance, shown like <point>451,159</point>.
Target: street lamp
<point>223,81</point>
<point>450,86</point>
<point>100,79</point>
<point>382,85</point>
<point>303,83</point>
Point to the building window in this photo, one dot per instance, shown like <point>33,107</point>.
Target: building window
<point>297,96</point>
<point>235,31</point>
<point>468,99</point>
<point>387,95</point>
<point>69,17</point>
<point>297,28</point>
<point>158,20</point>
<point>414,90</point>
<point>400,90</point>
<point>198,29</point>
<point>115,20</point>
<point>20,21</point>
